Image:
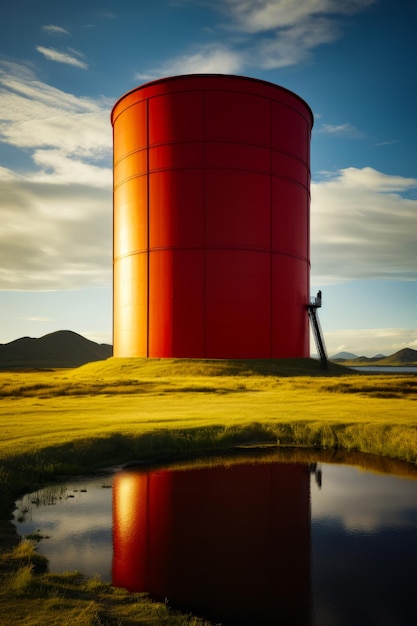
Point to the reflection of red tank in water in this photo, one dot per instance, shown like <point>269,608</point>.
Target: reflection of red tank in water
<point>211,219</point>
<point>232,544</point>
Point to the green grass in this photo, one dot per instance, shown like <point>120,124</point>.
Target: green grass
<point>55,423</point>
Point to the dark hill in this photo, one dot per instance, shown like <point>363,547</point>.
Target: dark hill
<point>343,356</point>
<point>406,356</point>
<point>63,348</point>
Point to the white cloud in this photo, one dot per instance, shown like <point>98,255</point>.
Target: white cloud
<point>54,30</point>
<point>369,341</point>
<point>265,15</point>
<point>270,34</point>
<point>36,115</point>
<point>290,46</point>
<point>210,59</point>
<point>37,319</point>
<point>340,130</point>
<point>363,227</point>
<point>60,168</point>
<point>56,217</point>
<point>62,57</point>
<point>386,143</point>
<point>55,236</point>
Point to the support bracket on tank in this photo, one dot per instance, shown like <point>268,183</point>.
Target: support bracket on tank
<point>315,303</point>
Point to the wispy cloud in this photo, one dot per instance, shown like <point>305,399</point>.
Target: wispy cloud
<point>362,226</point>
<point>370,341</point>
<point>37,319</point>
<point>209,59</point>
<point>266,15</point>
<point>54,30</point>
<point>340,130</point>
<point>62,57</point>
<point>263,34</point>
<point>37,115</point>
<point>56,217</point>
<point>386,143</point>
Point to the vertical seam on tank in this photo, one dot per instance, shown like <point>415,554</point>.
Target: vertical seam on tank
<point>271,286</point>
<point>204,228</point>
<point>308,217</point>
<point>113,281</point>
<point>147,228</point>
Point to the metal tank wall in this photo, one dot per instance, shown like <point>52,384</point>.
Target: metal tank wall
<point>211,219</point>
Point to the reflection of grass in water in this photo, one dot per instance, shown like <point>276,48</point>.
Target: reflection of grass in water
<point>48,496</point>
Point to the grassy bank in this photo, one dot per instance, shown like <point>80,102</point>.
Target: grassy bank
<point>52,422</point>
<point>32,597</point>
<point>68,421</point>
<point>55,423</point>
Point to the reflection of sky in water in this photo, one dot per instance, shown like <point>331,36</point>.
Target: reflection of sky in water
<point>363,541</point>
<point>363,501</point>
<point>364,548</point>
<point>78,524</point>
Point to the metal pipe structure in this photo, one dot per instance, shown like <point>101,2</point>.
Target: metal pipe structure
<point>211,219</point>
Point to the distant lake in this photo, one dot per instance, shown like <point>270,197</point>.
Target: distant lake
<point>260,540</point>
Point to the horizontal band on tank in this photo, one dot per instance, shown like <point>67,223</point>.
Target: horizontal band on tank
<point>212,143</point>
<point>208,248</point>
<point>226,169</point>
<point>207,167</point>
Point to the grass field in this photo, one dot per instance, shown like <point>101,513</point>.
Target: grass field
<point>206,402</point>
<point>61,422</point>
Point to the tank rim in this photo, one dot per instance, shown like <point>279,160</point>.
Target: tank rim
<point>165,79</point>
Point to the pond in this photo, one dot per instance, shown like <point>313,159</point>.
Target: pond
<point>300,538</point>
<point>404,369</point>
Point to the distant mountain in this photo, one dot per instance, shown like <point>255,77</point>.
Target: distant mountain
<point>63,348</point>
<point>343,356</point>
<point>406,356</point>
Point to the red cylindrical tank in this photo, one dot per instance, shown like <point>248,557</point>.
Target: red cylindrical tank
<point>211,219</point>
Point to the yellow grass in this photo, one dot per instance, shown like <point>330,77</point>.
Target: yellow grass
<point>132,397</point>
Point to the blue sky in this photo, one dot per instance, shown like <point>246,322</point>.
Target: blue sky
<point>64,64</point>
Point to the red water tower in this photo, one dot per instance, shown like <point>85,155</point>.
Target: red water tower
<point>211,219</point>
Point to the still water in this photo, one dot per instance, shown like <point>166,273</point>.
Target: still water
<point>276,539</point>
<point>404,369</point>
